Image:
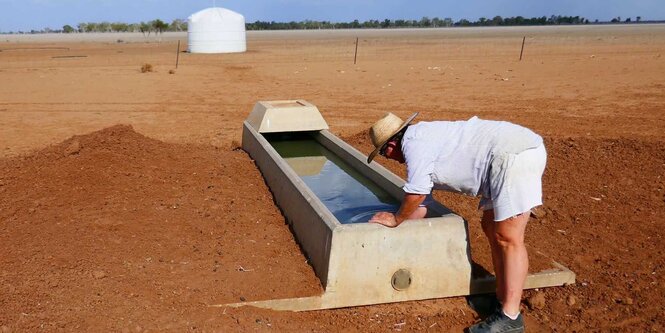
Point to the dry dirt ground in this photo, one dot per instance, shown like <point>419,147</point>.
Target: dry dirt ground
<point>126,205</point>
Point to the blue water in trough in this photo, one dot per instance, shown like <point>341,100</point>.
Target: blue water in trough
<point>350,196</point>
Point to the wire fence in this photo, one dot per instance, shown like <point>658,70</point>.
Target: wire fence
<point>429,45</point>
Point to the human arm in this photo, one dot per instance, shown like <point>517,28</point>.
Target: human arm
<point>419,158</point>
<point>410,204</point>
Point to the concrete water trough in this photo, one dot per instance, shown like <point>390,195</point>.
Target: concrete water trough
<point>327,192</point>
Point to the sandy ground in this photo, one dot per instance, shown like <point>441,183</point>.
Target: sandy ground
<point>141,226</point>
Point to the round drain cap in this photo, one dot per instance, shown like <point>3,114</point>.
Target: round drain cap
<point>401,279</point>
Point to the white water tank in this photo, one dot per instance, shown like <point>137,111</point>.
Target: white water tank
<point>216,30</point>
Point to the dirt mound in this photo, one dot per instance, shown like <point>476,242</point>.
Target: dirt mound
<point>117,223</point>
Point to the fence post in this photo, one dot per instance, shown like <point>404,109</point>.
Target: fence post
<point>355,57</point>
<point>177,55</point>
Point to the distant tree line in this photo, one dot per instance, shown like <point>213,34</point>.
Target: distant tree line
<point>158,26</point>
<point>424,22</point>
<point>628,20</point>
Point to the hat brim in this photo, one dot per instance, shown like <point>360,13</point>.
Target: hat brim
<point>378,148</point>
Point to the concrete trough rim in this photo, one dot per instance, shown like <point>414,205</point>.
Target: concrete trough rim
<point>327,216</point>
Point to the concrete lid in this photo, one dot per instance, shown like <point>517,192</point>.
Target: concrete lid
<point>286,116</point>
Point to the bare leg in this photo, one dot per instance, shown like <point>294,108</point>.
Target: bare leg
<point>488,225</point>
<point>509,235</point>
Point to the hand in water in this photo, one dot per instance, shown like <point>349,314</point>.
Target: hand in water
<point>385,218</point>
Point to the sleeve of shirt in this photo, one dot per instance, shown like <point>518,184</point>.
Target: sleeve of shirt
<point>419,167</point>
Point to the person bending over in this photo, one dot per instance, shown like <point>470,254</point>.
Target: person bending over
<point>501,162</point>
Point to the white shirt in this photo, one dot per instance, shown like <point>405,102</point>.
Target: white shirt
<point>456,155</point>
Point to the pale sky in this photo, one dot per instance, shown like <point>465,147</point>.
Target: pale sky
<point>37,14</point>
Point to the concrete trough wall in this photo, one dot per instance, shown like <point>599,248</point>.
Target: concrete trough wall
<point>304,212</point>
<point>356,262</point>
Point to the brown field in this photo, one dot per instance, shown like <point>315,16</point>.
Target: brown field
<point>110,227</point>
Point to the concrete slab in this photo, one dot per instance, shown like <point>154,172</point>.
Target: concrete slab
<point>554,277</point>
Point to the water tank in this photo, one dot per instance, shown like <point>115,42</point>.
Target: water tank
<point>216,30</point>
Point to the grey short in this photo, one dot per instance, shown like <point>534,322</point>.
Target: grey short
<point>515,183</point>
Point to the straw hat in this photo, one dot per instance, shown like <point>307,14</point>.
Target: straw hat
<point>384,130</point>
